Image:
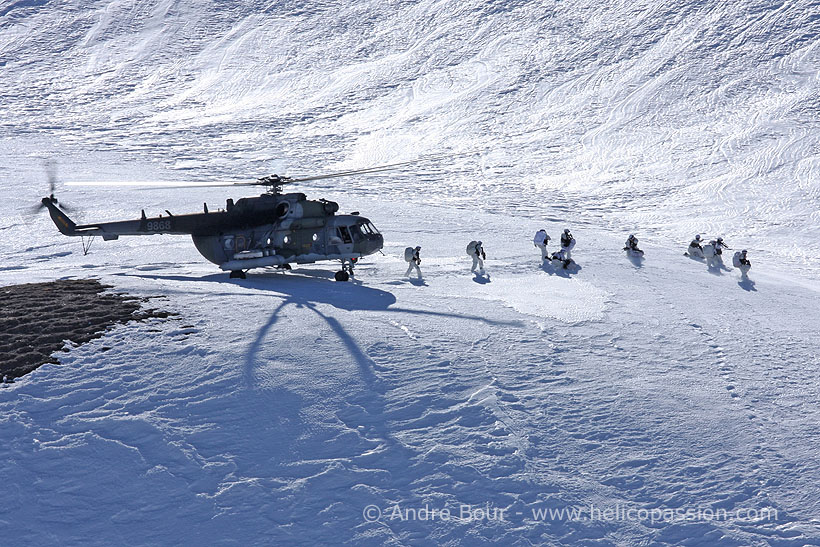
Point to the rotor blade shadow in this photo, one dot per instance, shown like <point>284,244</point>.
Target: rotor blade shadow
<point>459,316</point>
<point>366,364</point>
<point>315,290</point>
<point>250,357</point>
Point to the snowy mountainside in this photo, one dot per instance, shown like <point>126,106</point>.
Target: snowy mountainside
<point>675,118</point>
<point>278,408</point>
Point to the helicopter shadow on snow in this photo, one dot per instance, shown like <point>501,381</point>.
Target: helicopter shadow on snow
<point>303,289</point>
<point>309,294</point>
<point>363,410</point>
<point>309,290</point>
<point>316,286</point>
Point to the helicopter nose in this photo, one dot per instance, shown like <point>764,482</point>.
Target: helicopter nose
<point>374,243</point>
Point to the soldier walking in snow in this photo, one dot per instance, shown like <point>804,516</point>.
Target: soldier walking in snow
<point>476,251</point>
<point>567,244</point>
<point>720,245</point>
<point>540,240</point>
<point>411,255</point>
<point>742,263</point>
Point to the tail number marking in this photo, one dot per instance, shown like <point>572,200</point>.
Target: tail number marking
<point>158,225</point>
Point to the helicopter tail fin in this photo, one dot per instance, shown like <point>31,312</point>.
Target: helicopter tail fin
<point>64,224</point>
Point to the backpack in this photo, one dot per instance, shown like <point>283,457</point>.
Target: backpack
<point>709,251</point>
<point>471,248</point>
<point>408,254</point>
<point>736,259</point>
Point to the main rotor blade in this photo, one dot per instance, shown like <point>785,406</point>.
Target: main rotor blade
<point>263,182</point>
<point>348,173</point>
<point>380,168</point>
<point>160,185</point>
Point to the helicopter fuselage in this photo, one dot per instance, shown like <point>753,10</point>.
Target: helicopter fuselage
<point>272,229</point>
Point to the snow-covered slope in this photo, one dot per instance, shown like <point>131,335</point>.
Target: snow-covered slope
<point>672,118</point>
<point>289,402</point>
<point>277,409</point>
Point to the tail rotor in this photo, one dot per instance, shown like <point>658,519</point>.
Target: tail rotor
<point>51,173</point>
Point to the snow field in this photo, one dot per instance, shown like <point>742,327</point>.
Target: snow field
<point>277,408</point>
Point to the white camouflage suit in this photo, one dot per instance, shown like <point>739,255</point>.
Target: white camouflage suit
<point>540,240</point>
<point>567,244</point>
<point>414,263</point>
<point>478,260</point>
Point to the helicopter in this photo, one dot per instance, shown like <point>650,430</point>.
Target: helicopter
<point>273,229</point>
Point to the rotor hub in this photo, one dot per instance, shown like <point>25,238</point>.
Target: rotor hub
<point>274,183</point>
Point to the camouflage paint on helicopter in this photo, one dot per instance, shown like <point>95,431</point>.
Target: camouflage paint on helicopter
<point>272,229</point>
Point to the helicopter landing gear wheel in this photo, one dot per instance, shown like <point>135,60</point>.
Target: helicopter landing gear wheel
<point>347,270</point>
<point>237,274</point>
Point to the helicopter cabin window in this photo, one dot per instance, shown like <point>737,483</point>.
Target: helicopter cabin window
<point>315,237</point>
<point>240,244</point>
<point>344,233</point>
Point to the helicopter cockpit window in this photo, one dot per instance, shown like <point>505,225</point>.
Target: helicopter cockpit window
<point>344,233</point>
<point>373,228</point>
<point>365,229</point>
